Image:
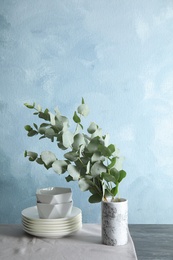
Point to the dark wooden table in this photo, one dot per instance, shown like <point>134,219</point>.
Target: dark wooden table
<point>153,242</point>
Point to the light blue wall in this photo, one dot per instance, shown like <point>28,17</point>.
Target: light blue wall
<point>118,56</point>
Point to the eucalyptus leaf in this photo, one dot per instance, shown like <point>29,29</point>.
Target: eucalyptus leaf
<point>115,173</point>
<point>97,157</point>
<point>32,133</point>
<point>105,151</point>
<point>61,146</point>
<point>113,161</point>
<point>48,157</point>
<point>98,132</point>
<point>39,108</point>
<point>36,127</point>
<point>42,130</point>
<point>119,163</point>
<point>92,128</point>
<point>83,184</point>
<point>39,160</point>
<point>83,110</point>
<point>59,166</point>
<point>44,115</point>
<point>32,155</point>
<point>67,138</point>
<point>29,106</point>
<point>52,118</point>
<point>108,177</point>
<point>111,147</point>
<point>76,118</point>
<point>95,198</point>
<point>28,128</point>
<point>72,156</point>
<point>73,172</point>
<point>93,145</point>
<point>69,178</point>
<point>97,169</point>
<point>88,167</point>
<point>114,190</point>
<point>49,133</point>
<point>78,141</point>
<point>122,175</point>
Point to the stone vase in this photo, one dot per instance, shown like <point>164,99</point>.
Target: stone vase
<point>115,222</point>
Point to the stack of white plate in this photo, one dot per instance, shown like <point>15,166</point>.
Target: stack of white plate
<point>54,228</point>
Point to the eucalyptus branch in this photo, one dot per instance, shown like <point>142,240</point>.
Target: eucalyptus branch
<point>89,160</point>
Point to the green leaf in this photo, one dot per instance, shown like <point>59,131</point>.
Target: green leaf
<point>97,133</point>
<point>104,150</point>
<point>42,130</point>
<point>42,137</point>
<point>29,106</point>
<point>44,115</point>
<point>111,147</point>
<point>76,118</point>
<point>97,157</point>
<point>78,141</point>
<point>83,184</point>
<point>122,175</point>
<point>97,169</point>
<point>39,161</point>
<point>92,128</point>
<point>83,110</point>
<point>48,157</point>
<point>61,146</point>
<point>36,127</point>
<point>44,125</point>
<point>81,126</point>
<point>69,178</point>
<point>93,145</point>
<point>49,133</point>
<point>71,156</point>
<point>119,163</point>
<point>95,198</point>
<point>32,133</point>
<point>28,128</point>
<point>113,161</point>
<point>108,177</point>
<point>74,172</point>
<point>83,102</point>
<point>67,138</point>
<point>59,166</point>
<point>114,172</point>
<point>32,155</point>
<point>114,190</point>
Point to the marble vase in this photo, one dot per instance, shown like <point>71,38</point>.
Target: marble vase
<point>115,222</point>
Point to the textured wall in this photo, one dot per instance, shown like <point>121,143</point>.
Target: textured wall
<point>118,56</point>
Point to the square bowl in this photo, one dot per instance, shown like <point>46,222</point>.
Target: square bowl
<point>54,195</point>
<point>54,211</point>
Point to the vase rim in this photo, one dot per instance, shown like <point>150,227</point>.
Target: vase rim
<point>121,200</point>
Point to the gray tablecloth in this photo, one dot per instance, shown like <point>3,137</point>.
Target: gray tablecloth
<point>86,244</point>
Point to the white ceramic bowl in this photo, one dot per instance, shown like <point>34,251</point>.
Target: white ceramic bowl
<point>54,211</point>
<point>54,195</point>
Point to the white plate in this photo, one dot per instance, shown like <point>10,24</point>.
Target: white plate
<point>52,234</point>
<point>52,231</point>
<point>31,214</point>
<point>50,225</point>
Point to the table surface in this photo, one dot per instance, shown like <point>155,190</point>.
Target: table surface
<point>153,241</point>
<point>15,244</point>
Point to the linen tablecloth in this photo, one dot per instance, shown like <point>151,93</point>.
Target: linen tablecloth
<point>85,244</point>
